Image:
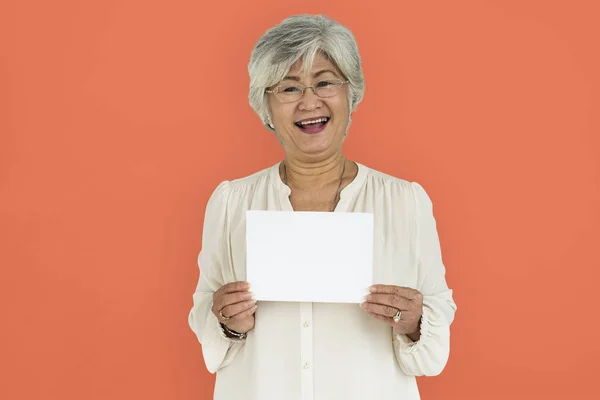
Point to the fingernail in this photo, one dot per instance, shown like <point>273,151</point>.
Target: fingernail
<point>373,289</point>
<point>363,305</point>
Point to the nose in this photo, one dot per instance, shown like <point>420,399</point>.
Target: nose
<point>309,100</point>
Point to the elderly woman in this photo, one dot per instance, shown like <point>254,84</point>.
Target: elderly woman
<point>305,82</point>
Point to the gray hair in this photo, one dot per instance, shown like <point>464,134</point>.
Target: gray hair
<point>302,37</point>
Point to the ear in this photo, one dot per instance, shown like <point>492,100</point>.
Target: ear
<point>268,122</point>
<point>269,125</point>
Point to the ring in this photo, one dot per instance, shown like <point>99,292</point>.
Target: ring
<point>397,316</point>
<point>224,318</point>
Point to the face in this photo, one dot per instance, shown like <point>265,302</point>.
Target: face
<point>310,141</point>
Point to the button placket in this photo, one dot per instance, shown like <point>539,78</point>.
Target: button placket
<point>306,351</point>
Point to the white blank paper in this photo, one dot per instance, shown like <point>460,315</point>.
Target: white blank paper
<point>309,256</point>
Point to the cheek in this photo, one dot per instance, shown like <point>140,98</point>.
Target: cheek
<point>340,107</point>
<point>341,115</point>
<point>283,115</point>
<point>274,109</point>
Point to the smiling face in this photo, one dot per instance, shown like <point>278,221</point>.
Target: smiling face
<point>311,128</point>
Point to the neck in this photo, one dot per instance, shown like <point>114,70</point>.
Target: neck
<point>304,175</point>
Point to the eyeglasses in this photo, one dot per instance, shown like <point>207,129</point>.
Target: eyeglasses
<point>291,92</point>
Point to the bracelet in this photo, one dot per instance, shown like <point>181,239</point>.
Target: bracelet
<point>232,334</point>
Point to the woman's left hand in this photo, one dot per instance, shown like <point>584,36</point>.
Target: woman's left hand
<point>385,301</point>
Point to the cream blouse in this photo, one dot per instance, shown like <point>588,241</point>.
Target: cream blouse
<point>325,351</point>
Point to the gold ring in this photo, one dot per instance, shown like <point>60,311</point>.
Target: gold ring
<point>224,318</point>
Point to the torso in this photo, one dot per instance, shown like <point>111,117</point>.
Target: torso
<point>281,343</point>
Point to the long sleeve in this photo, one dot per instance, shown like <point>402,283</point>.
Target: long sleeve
<point>213,261</point>
<point>428,356</point>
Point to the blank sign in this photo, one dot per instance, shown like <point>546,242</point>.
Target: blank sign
<point>309,256</point>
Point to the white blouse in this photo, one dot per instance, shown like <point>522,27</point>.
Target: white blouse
<point>323,351</point>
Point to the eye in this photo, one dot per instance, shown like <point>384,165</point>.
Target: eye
<point>289,89</point>
<point>325,83</point>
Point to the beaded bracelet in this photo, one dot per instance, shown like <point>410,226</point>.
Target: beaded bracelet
<point>232,334</point>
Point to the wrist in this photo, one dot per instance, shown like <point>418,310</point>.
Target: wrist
<point>413,334</point>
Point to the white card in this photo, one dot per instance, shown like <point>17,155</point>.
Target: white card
<point>309,256</point>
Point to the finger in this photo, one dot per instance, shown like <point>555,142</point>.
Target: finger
<point>382,318</point>
<point>401,303</point>
<point>378,309</point>
<point>245,314</point>
<point>236,309</point>
<point>232,287</point>
<point>228,299</point>
<point>407,292</point>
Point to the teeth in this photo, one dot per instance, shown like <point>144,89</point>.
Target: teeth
<point>313,121</point>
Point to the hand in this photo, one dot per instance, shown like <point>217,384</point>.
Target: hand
<point>385,301</point>
<point>234,307</point>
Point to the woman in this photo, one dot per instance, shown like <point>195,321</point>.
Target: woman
<point>305,82</point>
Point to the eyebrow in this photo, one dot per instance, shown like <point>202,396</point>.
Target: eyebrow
<point>315,75</point>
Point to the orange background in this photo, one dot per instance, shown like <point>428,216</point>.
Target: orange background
<point>119,118</point>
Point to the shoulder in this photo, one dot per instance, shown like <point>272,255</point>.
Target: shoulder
<point>382,179</point>
<point>236,188</point>
<point>398,189</point>
<point>258,178</point>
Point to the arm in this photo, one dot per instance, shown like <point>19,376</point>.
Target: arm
<point>429,354</point>
<point>218,350</point>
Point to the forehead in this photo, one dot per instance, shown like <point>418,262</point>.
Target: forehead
<point>320,63</point>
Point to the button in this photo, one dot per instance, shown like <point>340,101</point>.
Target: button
<point>305,324</point>
<point>306,366</point>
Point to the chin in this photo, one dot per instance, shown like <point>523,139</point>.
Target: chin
<point>316,145</point>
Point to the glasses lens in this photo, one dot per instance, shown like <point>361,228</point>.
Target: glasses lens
<point>289,92</point>
<point>327,88</point>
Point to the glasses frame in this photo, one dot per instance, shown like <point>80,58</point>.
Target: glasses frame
<point>339,82</point>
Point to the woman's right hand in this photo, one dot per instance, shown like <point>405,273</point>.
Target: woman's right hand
<point>234,307</point>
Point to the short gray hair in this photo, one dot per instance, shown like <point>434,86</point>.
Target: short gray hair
<point>302,37</point>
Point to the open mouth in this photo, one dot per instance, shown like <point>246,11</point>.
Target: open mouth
<point>314,125</point>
